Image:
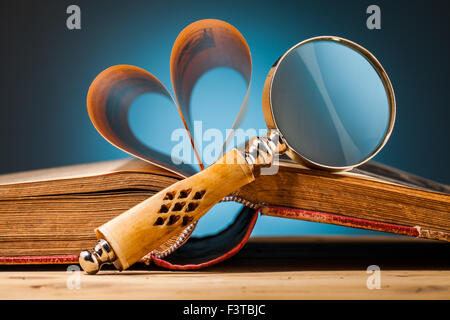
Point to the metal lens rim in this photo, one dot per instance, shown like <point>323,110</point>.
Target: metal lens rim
<point>270,119</point>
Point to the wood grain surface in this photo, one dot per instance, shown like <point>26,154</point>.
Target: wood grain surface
<point>267,268</point>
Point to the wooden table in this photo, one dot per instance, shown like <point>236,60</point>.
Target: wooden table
<point>267,268</point>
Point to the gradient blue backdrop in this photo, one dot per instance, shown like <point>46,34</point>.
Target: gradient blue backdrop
<point>47,69</point>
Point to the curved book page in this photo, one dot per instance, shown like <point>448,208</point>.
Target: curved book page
<point>200,47</point>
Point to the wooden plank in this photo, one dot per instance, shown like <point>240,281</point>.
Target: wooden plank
<point>399,284</point>
<point>283,268</point>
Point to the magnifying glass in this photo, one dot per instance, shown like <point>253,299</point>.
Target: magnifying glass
<point>332,103</point>
<point>328,104</point>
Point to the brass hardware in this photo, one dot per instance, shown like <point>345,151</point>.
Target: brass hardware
<point>102,254</point>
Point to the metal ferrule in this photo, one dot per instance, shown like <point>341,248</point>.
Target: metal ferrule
<point>260,151</point>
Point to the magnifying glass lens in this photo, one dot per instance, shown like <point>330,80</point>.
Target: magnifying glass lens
<point>330,103</point>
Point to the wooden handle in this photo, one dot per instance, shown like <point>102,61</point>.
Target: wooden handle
<point>144,227</point>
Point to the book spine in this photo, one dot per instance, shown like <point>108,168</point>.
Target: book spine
<point>61,259</point>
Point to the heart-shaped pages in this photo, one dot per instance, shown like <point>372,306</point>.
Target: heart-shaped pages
<point>200,47</point>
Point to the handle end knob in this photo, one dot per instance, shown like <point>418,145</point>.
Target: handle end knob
<point>102,254</point>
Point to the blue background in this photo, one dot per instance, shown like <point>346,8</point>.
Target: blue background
<point>47,69</point>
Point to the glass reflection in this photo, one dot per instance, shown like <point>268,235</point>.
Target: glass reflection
<point>330,103</point>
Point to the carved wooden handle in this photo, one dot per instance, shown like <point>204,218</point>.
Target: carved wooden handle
<point>144,227</point>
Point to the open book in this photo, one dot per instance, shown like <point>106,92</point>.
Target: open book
<point>49,216</point>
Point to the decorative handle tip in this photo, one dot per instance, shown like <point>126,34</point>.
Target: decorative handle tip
<point>102,254</point>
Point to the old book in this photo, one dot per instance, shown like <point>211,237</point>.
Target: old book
<point>48,216</point>
<point>54,211</point>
